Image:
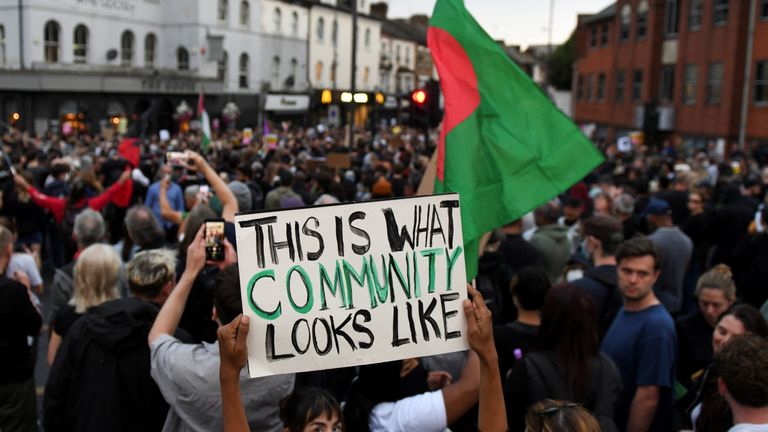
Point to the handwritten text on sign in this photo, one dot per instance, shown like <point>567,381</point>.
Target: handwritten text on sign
<point>351,284</point>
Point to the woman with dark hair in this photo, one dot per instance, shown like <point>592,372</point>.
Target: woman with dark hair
<point>311,409</point>
<point>709,412</point>
<point>564,362</point>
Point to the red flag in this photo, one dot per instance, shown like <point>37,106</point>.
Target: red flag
<point>122,196</point>
<point>130,150</point>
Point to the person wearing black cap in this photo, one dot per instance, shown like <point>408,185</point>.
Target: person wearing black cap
<point>602,236</point>
<point>676,249</point>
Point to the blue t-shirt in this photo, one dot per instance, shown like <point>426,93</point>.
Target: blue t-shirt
<point>643,345</point>
<point>175,199</point>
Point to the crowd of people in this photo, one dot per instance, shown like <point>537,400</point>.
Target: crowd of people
<point>631,302</point>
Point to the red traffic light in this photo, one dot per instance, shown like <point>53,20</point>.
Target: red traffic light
<point>419,97</point>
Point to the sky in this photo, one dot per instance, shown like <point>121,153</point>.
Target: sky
<point>517,22</point>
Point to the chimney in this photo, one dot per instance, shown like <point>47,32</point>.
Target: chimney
<point>379,10</point>
<point>421,20</point>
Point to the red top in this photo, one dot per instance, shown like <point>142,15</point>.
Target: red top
<point>57,206</point>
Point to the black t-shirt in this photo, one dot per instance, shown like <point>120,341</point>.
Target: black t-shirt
<point>63,320</point>
<point>510,337</point>
<point>18,320</point>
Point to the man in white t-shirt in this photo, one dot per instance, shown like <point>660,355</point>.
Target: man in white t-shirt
<point>743,382</point>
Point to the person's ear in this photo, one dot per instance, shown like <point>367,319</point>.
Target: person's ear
<point>721,388</point>
<point>168,288</point>
<point>215,314</point>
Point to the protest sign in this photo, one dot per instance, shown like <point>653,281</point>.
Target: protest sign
<point>338,160</point>
<point>352,284</point>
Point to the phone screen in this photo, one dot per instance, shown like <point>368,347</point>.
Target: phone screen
<point>177,159</point>
<point>214,240</point>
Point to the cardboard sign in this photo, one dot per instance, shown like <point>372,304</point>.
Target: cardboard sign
<point>352,284</point>
<point>338,160</point>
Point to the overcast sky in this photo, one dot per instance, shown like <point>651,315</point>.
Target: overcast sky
<point>518,22</point>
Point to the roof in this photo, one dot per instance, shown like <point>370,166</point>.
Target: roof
<point>608,12</point>
<point>404,29</point>
<point>519,57</point>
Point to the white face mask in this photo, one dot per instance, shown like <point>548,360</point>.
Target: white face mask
<point>574,274</point>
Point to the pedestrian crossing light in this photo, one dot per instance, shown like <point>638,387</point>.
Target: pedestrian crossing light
<point>419,97</point>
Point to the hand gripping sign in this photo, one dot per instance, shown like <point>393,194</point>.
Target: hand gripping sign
<point>352,284</point>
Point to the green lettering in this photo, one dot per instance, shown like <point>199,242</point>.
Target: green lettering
<point>275,314</point>
<point>360,278</point>
<point>431,254</point>
<point>405,282</point>
<point>451,261</point>
<point>381,291</point>
<point>307,286</point>
<point>337,286</point>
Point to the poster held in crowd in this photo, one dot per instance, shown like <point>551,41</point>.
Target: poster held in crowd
<point>352,284</point>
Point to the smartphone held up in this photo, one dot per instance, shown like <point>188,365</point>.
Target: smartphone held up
<point>214,239</point>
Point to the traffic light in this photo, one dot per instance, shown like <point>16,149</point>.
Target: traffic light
<point>425,109</point>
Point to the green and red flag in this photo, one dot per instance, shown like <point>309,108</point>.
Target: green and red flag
<point>504,146</point>
<point>205,124</point>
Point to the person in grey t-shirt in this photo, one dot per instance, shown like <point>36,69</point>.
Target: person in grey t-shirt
<point>188,374</point>
<point>676,249</point>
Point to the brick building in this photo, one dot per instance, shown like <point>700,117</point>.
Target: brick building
<point>682,60</point>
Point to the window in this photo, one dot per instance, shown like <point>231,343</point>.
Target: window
<point>334,32</point>
<point>182,59</point>
<point>318,71</point>
<point>720,15</point>
<point>637,85</point>
<point>695,12</point>
<point>604,35</point>
<point>52,42</point>
<point>320,28</point>
<point>620,82</point>
<point>642,19</point>
<point>761,83</point>
<point>670,18</point>
<point>580,88</point>
<point>397,54</point>
<point>126,48</point>
<point>593,37</point>
<point>407,56</point>
<point>367,38</point>
<point>689,84</point>
<point>589,87</point>
<point>601,87</point>
<point>714,82</point>
<point>80,47</point>
<point>366,75</point>
<point>150,44</point>
<point>667,84</point>
<point>221,68</point>
<point>292,72</point>
<point>295,24</point>
<point>333,74</point>
<point>243,71</point>
<point>277,19</point>
<point>275,72</point>
<point>223,10</point>
<point>245,13</point>
<point>2,45</point>
<point>626,21</point>
<point>764,9</point>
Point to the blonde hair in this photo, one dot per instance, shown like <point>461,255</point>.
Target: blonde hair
<point>96,277</point>
<point>718,278</point>
<point>560,416</point>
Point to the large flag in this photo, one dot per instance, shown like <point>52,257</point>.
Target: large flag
<point>504,147</point>
<point>205,124</point>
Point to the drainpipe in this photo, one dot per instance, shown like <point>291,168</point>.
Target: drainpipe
<point>747,76</point>
<point>21,34</point>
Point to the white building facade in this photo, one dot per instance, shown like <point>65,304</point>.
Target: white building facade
<point>98,58</point>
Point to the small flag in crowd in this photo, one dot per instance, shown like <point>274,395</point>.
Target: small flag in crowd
<point>503,145</point>
<point>205,125</point>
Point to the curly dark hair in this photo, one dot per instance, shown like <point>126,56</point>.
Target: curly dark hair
<point>743,367</point>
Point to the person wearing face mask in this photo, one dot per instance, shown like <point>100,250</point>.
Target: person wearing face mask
<point>715,292</point>
<point>709,411</point>
<point>602,236</point>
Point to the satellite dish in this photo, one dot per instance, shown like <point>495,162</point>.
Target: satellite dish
<point>111,54</point>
